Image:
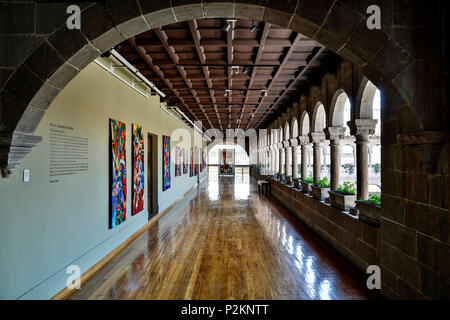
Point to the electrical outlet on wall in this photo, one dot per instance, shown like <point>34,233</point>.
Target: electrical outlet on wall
<point>26,175</point>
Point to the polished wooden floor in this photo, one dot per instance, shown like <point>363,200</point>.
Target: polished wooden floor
<point>224,241</point>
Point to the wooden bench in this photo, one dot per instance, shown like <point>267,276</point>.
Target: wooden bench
<point>264,187</point>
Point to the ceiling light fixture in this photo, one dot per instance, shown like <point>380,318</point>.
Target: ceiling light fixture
<point>230,24</point>
<point>253,27</point>
<point>227,27</point>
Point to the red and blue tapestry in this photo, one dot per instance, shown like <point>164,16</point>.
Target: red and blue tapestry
<point>166,163</point>
<point>185,161</point>
<point>178,161</point>
<point>138,169</point>
<point>118,177</point>
<point>191,164</point>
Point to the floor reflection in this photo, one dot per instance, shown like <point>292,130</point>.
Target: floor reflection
<point>225,241</point>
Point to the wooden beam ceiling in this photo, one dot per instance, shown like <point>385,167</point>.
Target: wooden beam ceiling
<point>218,77</point>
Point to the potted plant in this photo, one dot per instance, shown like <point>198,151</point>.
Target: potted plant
<point>288,180</point>
<point>320,189</point>
<point>370,210</point>
<point>344,197</point>
<point>306,184</point>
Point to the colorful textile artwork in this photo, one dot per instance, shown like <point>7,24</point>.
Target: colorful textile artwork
<point>196,160</point>
<point>178,161</point>
<point>226,163</point>
<point>191,164</point>
<point>138,169</point>
<point>118,173</point>
<point>185,161</point>
<point>166,163</point>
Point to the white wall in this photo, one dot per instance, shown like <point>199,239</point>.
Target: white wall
<point>48,226</point>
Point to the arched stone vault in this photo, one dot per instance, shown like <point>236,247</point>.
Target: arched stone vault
<point>29,86</point>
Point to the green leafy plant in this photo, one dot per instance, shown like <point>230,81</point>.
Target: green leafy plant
<point>349,168</point>
<point>376,168</point>
<point>308,180</point>
<point>374,199</point>
<point>323,183</point>
<point>347,188</point>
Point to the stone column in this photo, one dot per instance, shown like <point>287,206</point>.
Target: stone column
<point>294,144</point>
<point>317,138</point>
<point>270,160</point>
<point>280,163</point>
<point>266,157</point>
<point>304,141</point>
<point>362,129</point>
<point>287,163</point>
<point>274,156</point>
<point>335,134</point>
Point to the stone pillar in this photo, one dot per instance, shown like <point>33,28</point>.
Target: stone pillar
<point>362,129</point>
<point>266,156</point>
<point>281,153</point>
<point>317,138</point>
<point>304,141</point>
<point>274,158</point>
<point>294,144</point>
<point>270,160</point>
<point>334,134</point>
<point>287,163</point>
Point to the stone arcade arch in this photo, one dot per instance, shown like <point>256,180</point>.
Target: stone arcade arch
<point>287,153</point>
<point>294,130</point>
<point>319,118</point>
<point>340,142</point>
<point>304,124</point>
<point>337,110</point>
<point>36,81</point>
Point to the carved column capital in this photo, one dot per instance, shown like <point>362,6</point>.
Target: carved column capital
<point>317,137</point>
<point>303,140</point>
<point>286,144</point>
<point>294,142</point>
<point>362,127</point>
<point>335,133</point>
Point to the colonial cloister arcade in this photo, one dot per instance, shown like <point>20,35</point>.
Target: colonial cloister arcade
<point>330,148</point>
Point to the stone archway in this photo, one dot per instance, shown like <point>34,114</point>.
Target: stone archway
<point>35,82</point>
<point>304,124</point>
<point>294,128</point>
<point>319,118</point>
<point>337,109</point>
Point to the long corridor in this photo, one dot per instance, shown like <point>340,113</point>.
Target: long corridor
<point>224,241</point>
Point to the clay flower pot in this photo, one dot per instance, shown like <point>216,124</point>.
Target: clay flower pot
<point>341,201</point>
<point>306,187</point>
<point>319,193</point>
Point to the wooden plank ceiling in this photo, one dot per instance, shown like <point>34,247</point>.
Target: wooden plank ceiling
<point>240,78</point>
